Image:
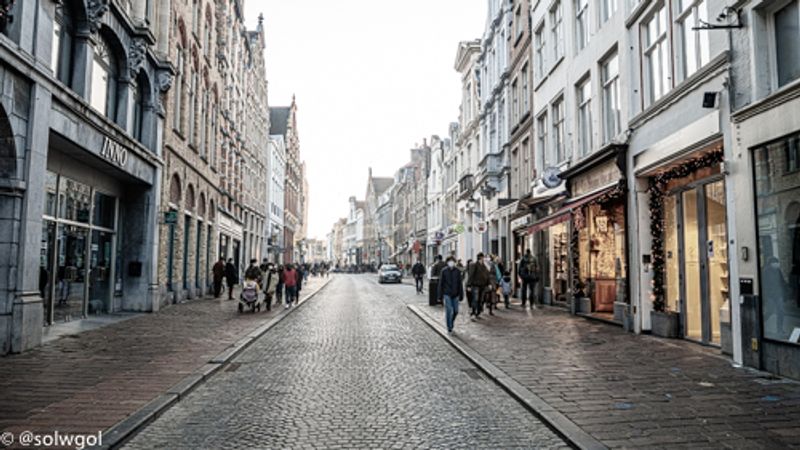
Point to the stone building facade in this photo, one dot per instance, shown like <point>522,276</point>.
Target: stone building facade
<point>284,123</point>
<point>82,114</point>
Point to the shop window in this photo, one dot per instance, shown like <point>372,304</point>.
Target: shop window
<point>792,149</point>
<point>63,42</point>
<point>105,79</point>
<point>141,95</point>
<point>51,194</point>
<point>104,210</point>
<point>75,201</point>
<point>778,212</point>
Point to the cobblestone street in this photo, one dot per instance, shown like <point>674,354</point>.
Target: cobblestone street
<point>352,368</point>
<point>626,390</point>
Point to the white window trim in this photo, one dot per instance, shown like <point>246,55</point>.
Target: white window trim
<point>772,43</point>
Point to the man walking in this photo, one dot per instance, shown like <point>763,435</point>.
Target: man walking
<point>270,285</point>
<point>290,282</point>
<point>231,276</point>
<point>479,282</point>
<point>218,273</point>
<point>436,270</point>
<point>450,290</point>
<point>528,272</point>
<point>419,273</point>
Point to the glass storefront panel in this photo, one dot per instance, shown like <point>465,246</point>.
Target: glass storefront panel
<point>50,194</point>
<point>100,281</point>
<point>104,210</point>
<point>601,254</point>
<point>671,253</point>
<point>691,268</point>
<point>559,253</point>
<point>75,200</point>
<point>777,185</point>
<point>717,250</point>
<point>46,267</point>
<point>70,273</point>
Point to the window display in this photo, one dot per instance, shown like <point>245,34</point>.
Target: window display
<point>777,184</point>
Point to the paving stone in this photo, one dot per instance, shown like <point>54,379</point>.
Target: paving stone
<point>574,364</point>
<point>351,369</point>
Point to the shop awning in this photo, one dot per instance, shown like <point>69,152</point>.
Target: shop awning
<point>564,214</point>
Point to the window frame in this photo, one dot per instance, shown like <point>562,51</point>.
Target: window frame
<point>559,132</point>
<point>681,19</point>
<point>610,84</point>
<point>772,43</point>
<point>648,48</point>
<point>583,104</point>
<point>540,51</point>
<point>581,24</point>
<point>556,15</point>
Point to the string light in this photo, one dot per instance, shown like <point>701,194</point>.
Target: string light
<point>657,191</point>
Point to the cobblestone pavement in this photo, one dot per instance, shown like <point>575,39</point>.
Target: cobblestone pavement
<point>632,391</point>
<point>353,368</point>
<point>87,382</point>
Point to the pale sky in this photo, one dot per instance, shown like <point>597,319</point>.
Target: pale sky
<point>372,78</point>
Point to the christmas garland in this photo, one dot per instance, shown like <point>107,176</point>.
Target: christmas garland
<point>657,191</point>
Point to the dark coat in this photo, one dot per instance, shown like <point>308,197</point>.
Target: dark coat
<point>218,271</point>
<point>437,268</point>
<point>418,269</point>
<point>479,275</point>
<point>231,275</point>
<point>450,284</point>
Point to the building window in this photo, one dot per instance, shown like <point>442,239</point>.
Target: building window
<point>204,126</point>
<point>786,34</point>
<point>656,56</point>
<point>514,102</point>
<point>539,45</point>
<point>541,137</point>
<point>63,41</point>
<point>557,111</point>
<point>611,98</point>
<point>196,17</point>
<point>177,93</point>
<point>584,96</point>
<point>526,104</point>
<point>693,44</point>
<point>105,73</point>
<point>581,24</point>
<point>778,219</point>
<point>557,31</point>
<point>140,97</point>
<point>207,39</point>
<point>193,107</point>
<point>607,9</point>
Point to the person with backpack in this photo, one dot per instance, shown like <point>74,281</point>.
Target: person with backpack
<point>528,272</point>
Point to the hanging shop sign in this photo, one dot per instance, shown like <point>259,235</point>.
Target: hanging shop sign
<point>551,177</point>
<point>113,152</point>
<point>481,227</point>
<point>171,217</point>
<point>521,222</point>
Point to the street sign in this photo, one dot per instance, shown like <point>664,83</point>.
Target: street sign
<point>171,217</point>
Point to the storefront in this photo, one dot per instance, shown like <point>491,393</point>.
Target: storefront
<point>231,234</point>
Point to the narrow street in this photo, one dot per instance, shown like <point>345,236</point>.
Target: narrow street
<point>352,368</point>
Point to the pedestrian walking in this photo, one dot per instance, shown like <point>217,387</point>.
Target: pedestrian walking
<point>270,285</point>
<point>479,282</point>
<point>418,271</point>
<point>436,269</point>
<point>450,291</point>
<point>301,273</point>
<point>231,277</point>
<point>528,272</point>
<point>290,282</point>
<point>217,275</point>
<point>280,287</point>
<point>505,285</point>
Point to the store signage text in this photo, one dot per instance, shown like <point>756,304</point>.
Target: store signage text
<point>114,152</point>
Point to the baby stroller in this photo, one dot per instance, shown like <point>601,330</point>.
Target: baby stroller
<point>249,297</point>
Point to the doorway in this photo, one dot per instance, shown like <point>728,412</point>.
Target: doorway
<point>697,227</point>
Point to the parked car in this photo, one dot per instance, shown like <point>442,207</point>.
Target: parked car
<point>389,273</point>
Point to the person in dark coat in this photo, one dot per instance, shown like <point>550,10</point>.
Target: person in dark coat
<point>419,273</point>
<point>479,283</point>
<point>450,291</point>
<point>301,272</point>
<point>231,277</point>
<point>218,273</point>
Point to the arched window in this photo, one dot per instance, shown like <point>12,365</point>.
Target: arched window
<point>63,42</point>
<point>190,198</point>
<point>204,113</point>
<point>192,106</point>
<point>141,98</point>
<point>175,189</point>
<point>201,207</point>
<point>105,79</point>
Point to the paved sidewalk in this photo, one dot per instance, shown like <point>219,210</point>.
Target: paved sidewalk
<point>87,382</point>
<point>630,391</point>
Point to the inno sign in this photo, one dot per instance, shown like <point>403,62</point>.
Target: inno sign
<point>114,152</point>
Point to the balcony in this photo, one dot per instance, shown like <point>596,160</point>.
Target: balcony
<point>490,170</point>
<point>465,186</point>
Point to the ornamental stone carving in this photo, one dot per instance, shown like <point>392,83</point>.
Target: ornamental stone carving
<point>95,9</point>
<point>136,56</point>
<point>163,84</point>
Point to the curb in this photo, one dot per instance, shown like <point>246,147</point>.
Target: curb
<point>121,432</point>
<point>567,429</point>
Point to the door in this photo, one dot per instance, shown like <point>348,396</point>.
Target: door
<point>100,286</point>
<point>70,273</point>
<point>704,260</point>
<point>187,233</point>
